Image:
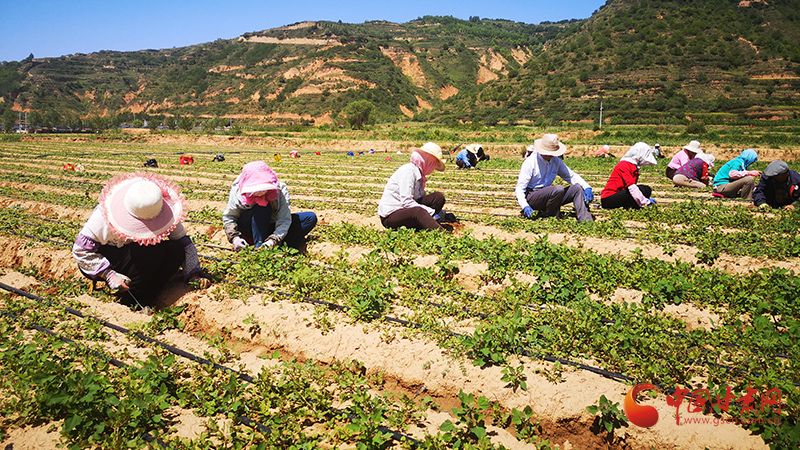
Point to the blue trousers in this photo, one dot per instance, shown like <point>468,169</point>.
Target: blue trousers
<point>256,226</point>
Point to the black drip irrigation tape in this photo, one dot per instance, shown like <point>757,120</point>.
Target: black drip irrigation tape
<point>182,353</point>
<point>367,206</point>
<point>612,375</point>
<point>387,318</point>
<point>113,361</point>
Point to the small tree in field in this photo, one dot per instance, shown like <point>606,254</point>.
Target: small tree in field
<point>9,120</point>
<point>186,123</point>
<point>358,113</point>
<point>695,127</point>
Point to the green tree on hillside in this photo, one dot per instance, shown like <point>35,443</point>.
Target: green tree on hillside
<point>186,123</point>
<point>9,119</point>
<point>358,113</point>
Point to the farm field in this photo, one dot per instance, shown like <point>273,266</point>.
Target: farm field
<point>499,333</point>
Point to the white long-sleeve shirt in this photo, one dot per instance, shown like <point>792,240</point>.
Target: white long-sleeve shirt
<point>536,173</point>
<point>403,190</point>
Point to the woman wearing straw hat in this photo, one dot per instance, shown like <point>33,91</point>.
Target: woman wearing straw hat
<point>259,212</point>
<point>469,157</point>
<point>404,202</point>
<point>689,151</point>
<point>134,239</point>
<point>535,191</point>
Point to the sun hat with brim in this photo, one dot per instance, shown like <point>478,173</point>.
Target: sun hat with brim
<point>693,146</point>
<point>142,207</point>
<point>549,145</point>
<point>435,151</point>
<point>776,167</point>
<point>473,148</point>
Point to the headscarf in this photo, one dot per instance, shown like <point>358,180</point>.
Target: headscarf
<point>748,157</point>
<point>425,164</point>
<point>257,177</point>
<point>640,155</point>
<point>707,158</point>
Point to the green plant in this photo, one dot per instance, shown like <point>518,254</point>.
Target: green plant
<point>469,427</point>
<point>515,377</point>
<point>611,418</point>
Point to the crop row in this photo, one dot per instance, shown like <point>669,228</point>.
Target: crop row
<point>670,284</point>
<point>713,227</point>
<point>69,376</point>
<point>641,344</point>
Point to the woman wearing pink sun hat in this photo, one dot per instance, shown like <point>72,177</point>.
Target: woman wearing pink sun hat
<point>134,239</point>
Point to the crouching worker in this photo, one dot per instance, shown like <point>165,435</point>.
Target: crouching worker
<point>469,157</point>
<point>622,190</point>
<point>535,190</point>
<point>259,214</point>
<point>687,153</point>
<point>779,187</point>
<point>134,239</point>
<point>404,202</point>
<point>694,173</point>
<point>734,180</point>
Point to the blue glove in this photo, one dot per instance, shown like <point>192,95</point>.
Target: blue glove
<point>437,218</point>
<point>527,212</point>
<point>652,201</point>
<point>588,195</point>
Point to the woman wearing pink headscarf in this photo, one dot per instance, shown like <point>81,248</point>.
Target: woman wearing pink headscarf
<point>259,213</point>
<point>404,202</point>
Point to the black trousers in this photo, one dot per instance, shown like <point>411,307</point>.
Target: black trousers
<point>624,199</point>
<point>148,266</point>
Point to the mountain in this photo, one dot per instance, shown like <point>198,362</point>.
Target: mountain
<point>645,60</point>
<point>656,60</point>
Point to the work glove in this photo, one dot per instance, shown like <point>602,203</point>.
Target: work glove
<point>588,195</point>
<point>527,212</point>
<point>437,218</point>
<point>117,282</point>
<point>763,206</point>
<point>268,244</point>
<point>201,280</point>
<point>652,202</point>
<point>450,217</point>
<point>239,243</point>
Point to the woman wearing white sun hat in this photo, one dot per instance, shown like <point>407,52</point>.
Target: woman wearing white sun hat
<point>688,152</point>
<point>134,239</point>
<point>469,157</point>
<point>404,202</point>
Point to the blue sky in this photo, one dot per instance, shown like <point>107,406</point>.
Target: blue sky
<point>49,28</point>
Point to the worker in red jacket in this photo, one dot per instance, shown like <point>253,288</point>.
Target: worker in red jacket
<point>622,190</point>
